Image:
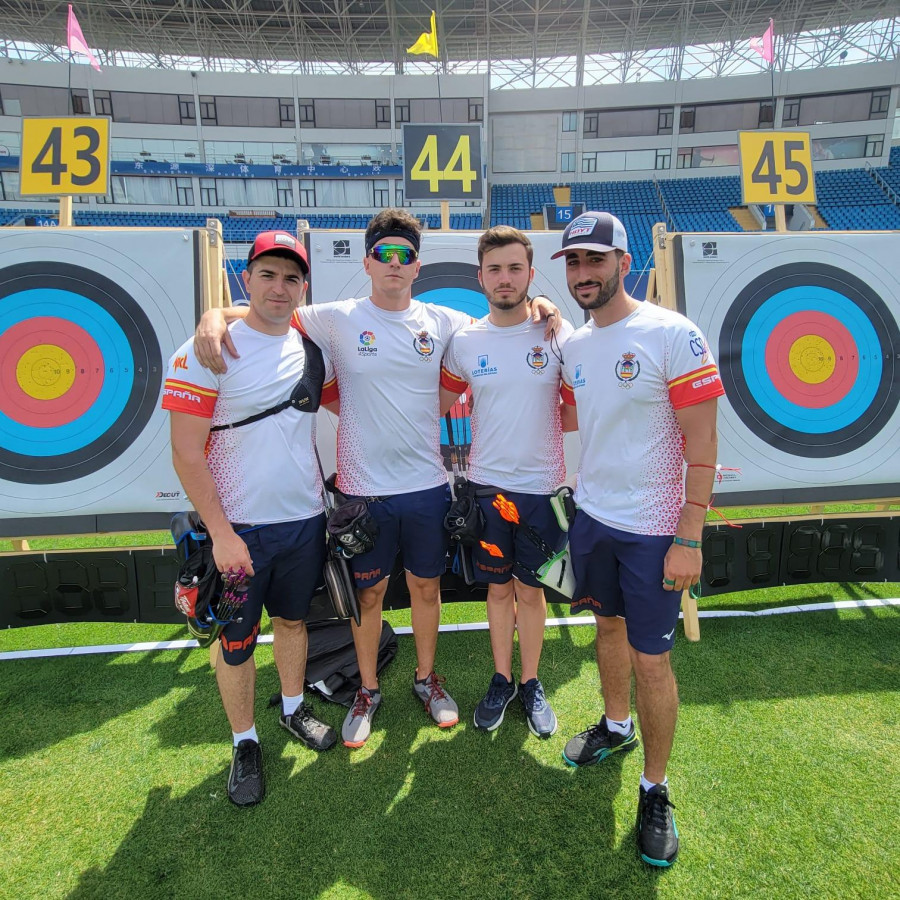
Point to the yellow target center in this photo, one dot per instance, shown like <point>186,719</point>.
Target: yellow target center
<point>812,359</point>
<point>45,372</point>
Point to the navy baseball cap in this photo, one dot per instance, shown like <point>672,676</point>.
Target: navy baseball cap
<point>282,243</point>
<point>599,231</point>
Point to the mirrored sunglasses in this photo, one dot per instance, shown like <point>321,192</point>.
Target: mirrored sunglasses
<point>384,253</point>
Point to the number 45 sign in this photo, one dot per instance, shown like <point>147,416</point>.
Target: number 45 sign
<point>776,167</point>
<point>64,156</point>
<point>442,162</point>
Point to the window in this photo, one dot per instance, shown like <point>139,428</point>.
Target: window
<point>401,111</point>
<point>476,110</point>
<point>874,144</point>
<point>185,191</point>
<point>382,113</point>
<point>664,121</point>
<point>663,159</point>
<point>102,103</point>
<point>567,162</point>
<point>686,122</point>
<point>307,193</point>
<point>588,162</point>
<point>791,112</point>
<point>286,111</point>
<point>590,124</point>
<point>208,194</point>
<point>684,158</point>
<point>285,192</point>
<point>187,110</point>
<point>878,107</point>
<point>569,121</point>
<point>80,104</point>
<point>766,114</point>
<point>382,193</point>
<point>308,113</point>
<point>208,111</point>
<point>398,193</point>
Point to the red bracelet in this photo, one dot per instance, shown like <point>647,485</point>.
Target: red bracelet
<point>695,503</point>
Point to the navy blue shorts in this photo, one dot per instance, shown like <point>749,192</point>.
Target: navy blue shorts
<point>287,562</point>
<point>518,553</point>
<point>618,573</point>
<point>412,523</point>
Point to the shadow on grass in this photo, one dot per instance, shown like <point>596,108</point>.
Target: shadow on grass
<point>417,814</point>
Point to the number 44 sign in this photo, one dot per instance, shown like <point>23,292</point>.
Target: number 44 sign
<point>776,167</point>
<point>64,156</point>
<point>442,162</point>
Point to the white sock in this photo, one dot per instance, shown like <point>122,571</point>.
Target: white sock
<point>646,785</point>
<point>289,705</point>
<point>250,734</point>
<point>618,727</point>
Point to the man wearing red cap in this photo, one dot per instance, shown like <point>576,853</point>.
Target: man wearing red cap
<point>218,439</point>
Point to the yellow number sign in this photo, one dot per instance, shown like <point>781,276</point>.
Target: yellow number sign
<point>444,162</point>
<point>64,156</point>
<point>776,167</point>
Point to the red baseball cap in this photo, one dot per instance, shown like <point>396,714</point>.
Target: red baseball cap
<point>279,242</point>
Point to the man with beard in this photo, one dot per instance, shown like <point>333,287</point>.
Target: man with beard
<point>517,451</point>
<point>644,386</point>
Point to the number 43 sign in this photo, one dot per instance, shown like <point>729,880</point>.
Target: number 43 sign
<point>64,156</point>
<point>442,162</point>
<point>776,167</point>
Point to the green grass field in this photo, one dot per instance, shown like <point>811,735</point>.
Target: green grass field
<point>112,773</point>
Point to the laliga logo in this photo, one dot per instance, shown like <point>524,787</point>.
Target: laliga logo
<point>367,338</point>
<point>627,369</point>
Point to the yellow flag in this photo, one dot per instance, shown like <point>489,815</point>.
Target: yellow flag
<point>427,42</point>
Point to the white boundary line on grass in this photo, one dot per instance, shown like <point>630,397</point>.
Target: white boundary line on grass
<point>471,626</point>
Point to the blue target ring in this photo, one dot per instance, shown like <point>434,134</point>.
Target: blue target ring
<point>823,293</point>
<point>118,377</point>
<point>125,340</point>
<point>759,381</point>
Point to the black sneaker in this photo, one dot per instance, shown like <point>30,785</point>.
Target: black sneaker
<point>656,832</point>
<point>304,726</point>
<point>538,712</point>
<point>246,785</point>
<point>489,713</point>
<point>595,744</point>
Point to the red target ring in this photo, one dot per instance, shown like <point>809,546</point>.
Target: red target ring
<point>76,344</point>
<point>830,345</point>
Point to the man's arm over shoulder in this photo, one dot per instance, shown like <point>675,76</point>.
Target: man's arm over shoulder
<point>212,334</point>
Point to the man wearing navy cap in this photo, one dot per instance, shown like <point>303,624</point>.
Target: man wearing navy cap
<point>642,386</point>
<point>218,439</point>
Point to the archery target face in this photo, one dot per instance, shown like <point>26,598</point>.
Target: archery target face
<point>88,320</point>
<point>448,276</point>
<point>805,331</point>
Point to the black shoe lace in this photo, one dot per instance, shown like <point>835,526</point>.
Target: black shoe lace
<point>596,734</point>
<point>248,762</point>
<point>534,695</point>
<point>496,694</point>
<point>656,810</point>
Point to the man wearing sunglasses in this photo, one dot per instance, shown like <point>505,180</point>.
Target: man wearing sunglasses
<point>387,351</point>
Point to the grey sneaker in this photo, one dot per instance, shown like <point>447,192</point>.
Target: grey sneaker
<point>489,712</point>
<point>438,703</point>
<point>358,724</point>
<point>538,712</point>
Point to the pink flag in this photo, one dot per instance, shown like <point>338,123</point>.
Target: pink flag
<point>765,45</point>
<point>76,41</point>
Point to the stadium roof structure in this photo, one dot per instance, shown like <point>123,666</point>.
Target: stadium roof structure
<point>520,43</point>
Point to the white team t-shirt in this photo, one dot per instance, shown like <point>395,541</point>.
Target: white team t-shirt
<point>387,366</point>
<point>627,380</point>
<point>265,472</point>
<point>514,374</point>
